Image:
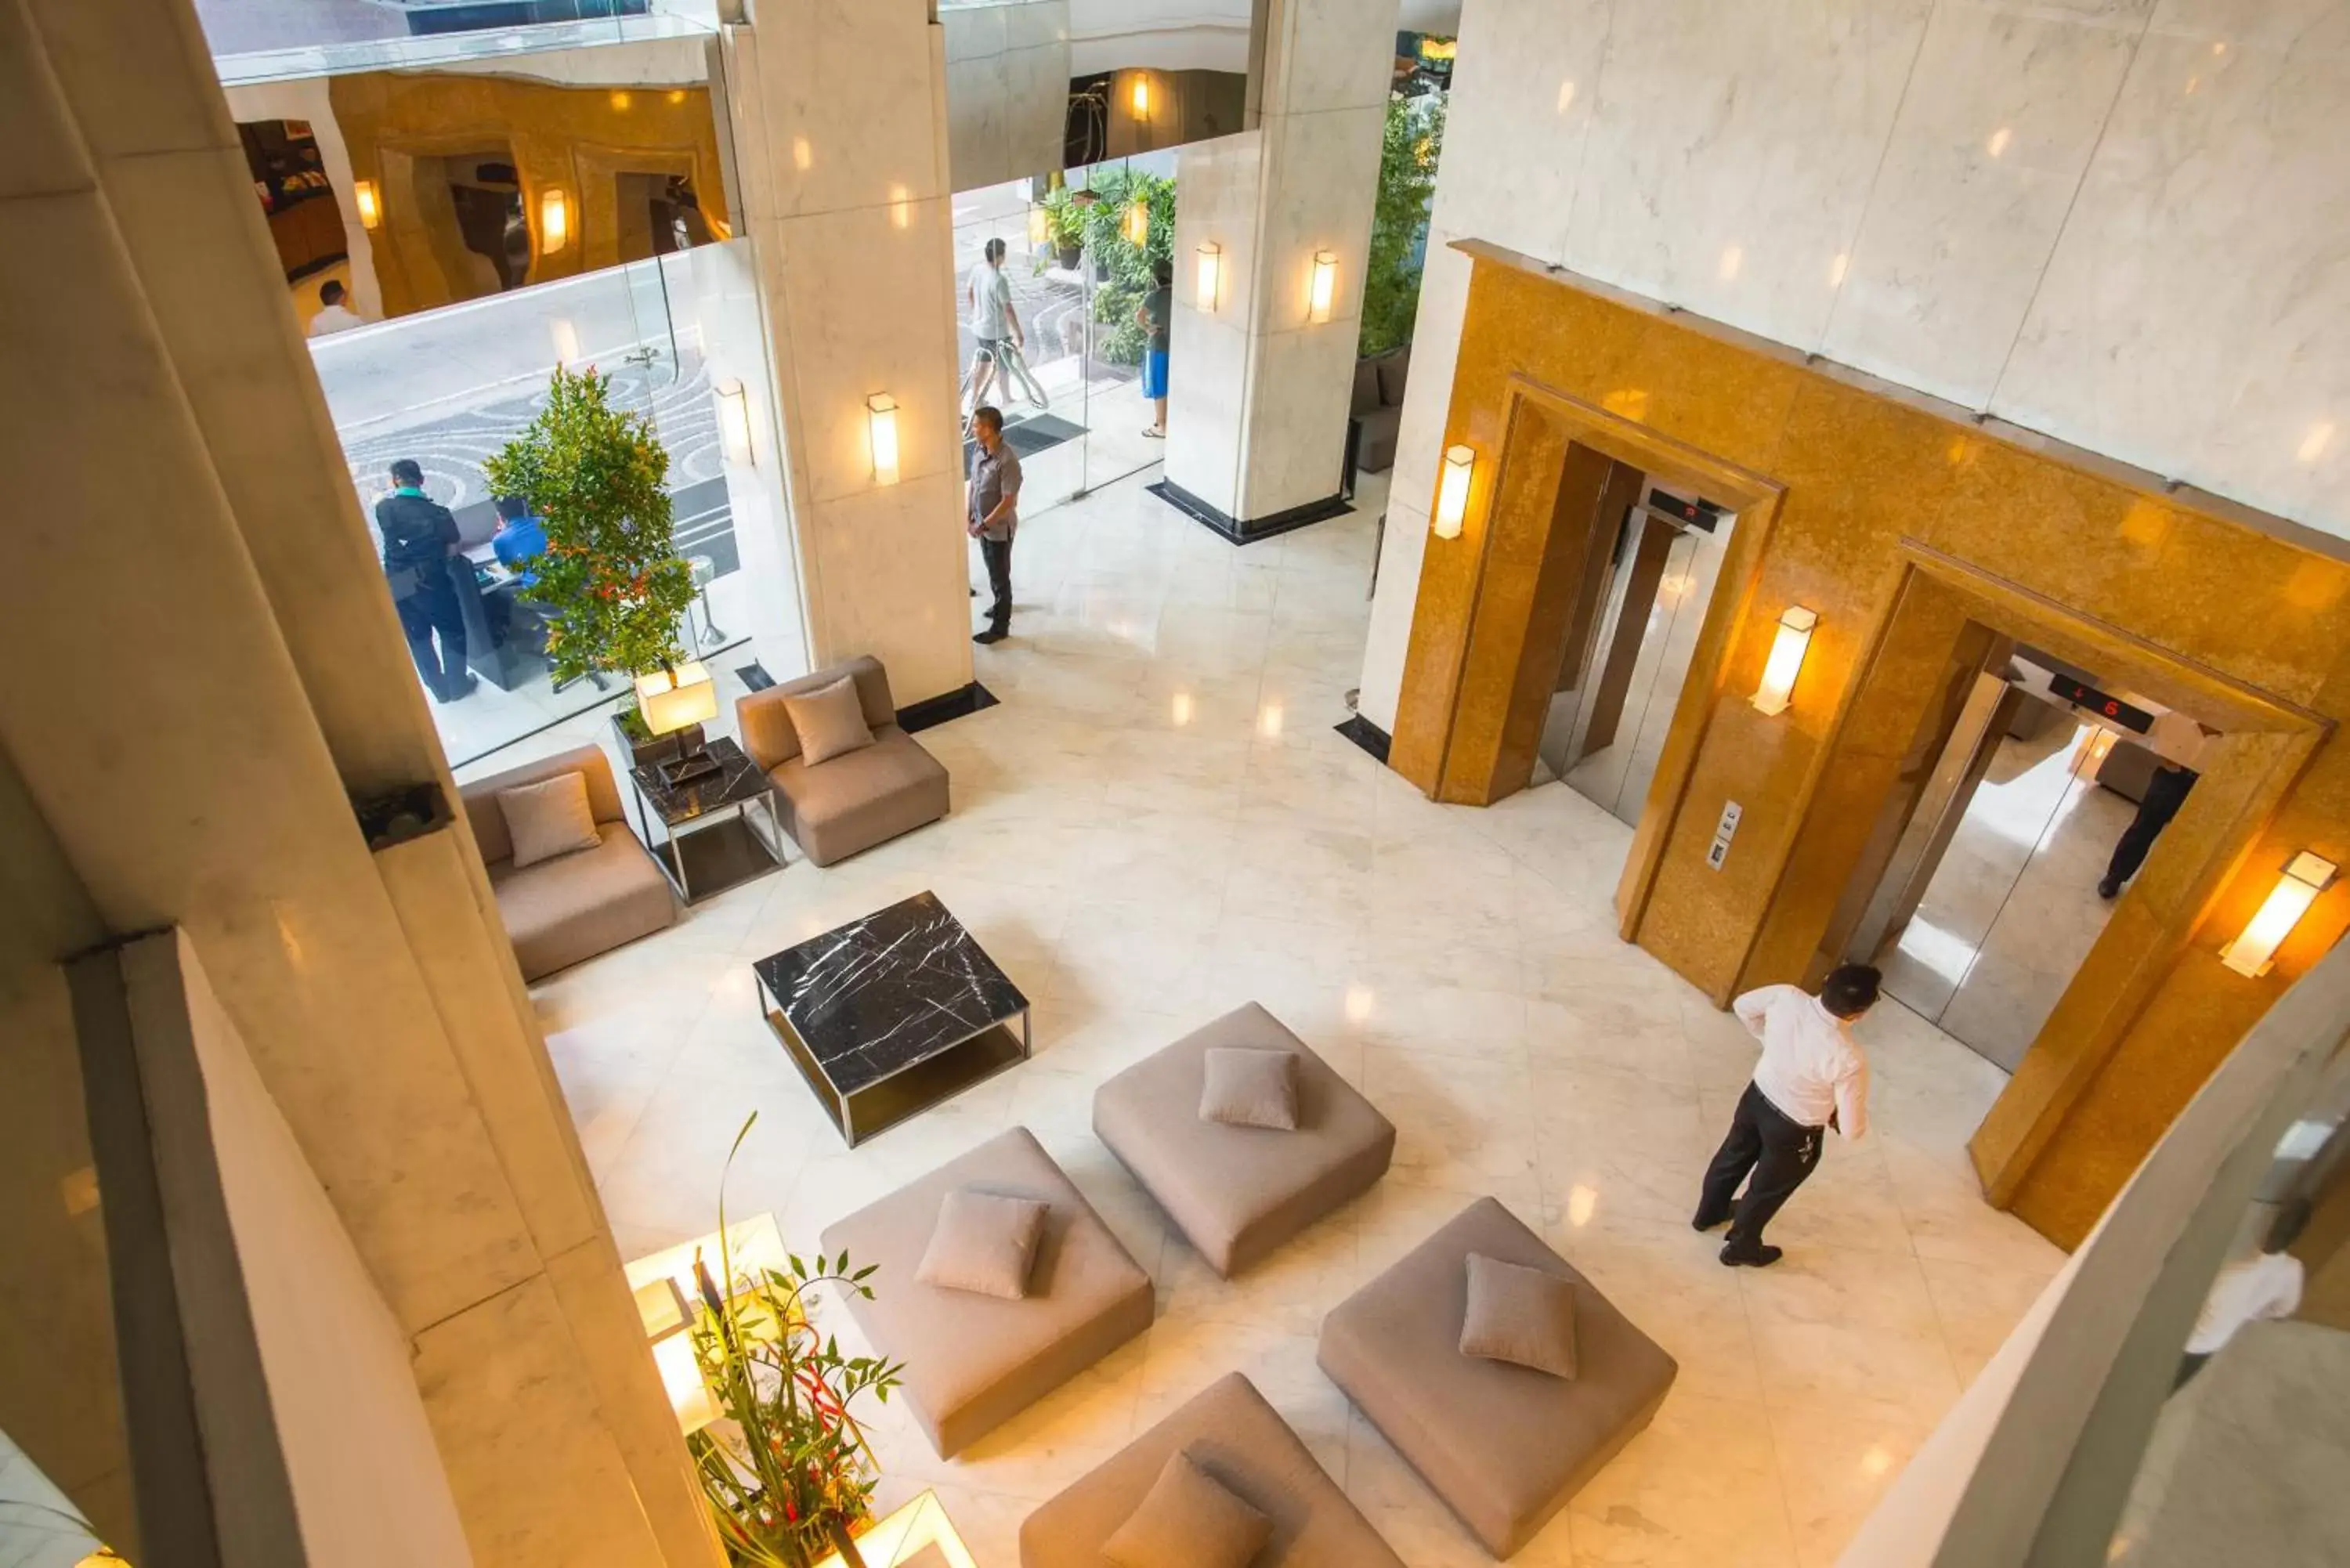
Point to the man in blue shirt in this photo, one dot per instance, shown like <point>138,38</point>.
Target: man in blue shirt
<point>520,537</point>
<point>419,538</point>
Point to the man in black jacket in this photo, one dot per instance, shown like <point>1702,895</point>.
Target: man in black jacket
<point>419,539</point>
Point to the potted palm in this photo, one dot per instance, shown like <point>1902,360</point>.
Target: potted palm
<point>611,580</point>
<point>785,1469</point>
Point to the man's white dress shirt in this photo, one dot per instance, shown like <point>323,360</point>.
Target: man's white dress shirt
<point>1811,1068</point>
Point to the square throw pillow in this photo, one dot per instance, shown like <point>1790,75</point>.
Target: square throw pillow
<point>1248,1088</point>
<point>984,1242</point>
<point>1189,1519</point>
<point>830,721</point>
<point>548,818</point>
<point>768,738</point>
<point>1519,1315</point>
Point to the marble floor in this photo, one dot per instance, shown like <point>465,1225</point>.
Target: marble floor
<point>1158,824</point>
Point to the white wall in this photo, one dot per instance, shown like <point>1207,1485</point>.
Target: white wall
<point>2119,221</point>
<point>1007,90</point>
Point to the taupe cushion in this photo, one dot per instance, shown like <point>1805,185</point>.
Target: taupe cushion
<point>972,1362</point>
<point>479,798</point>
<point>548,818</point>
<point>1236,1193</point>
<point>1504,1446</point>
<point>983,1243</point>
<point>1366,394</point>
<point>852,802</point>
<point>576,906</point>
<point>763,720</point>
<point>1395,371</point>
<point>1244,1446</point>
<point>829,721</point>
<point>1188,1520</point>
<point>1382,429</point>
<point>1519,1316</point>
<point>1245,1088</point>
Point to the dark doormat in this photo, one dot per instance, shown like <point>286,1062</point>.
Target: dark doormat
<point>1030,436</point>
<point>754,676</point>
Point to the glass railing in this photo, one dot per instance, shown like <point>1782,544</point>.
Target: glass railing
<point>257,41</point>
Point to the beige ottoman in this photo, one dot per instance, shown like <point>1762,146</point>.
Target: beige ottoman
<point>1237,1193</point>
<point>1503,1445</point>
<point>1233,1434</point>
<point>973,1361</point>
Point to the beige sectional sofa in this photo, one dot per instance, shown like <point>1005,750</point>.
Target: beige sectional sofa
<point>973,1361</point>
<point>1242,1443</point>
<point>1505,1447</point>
<point>1237,1193</point>
<point>560,912</point>
<point>850,803</point>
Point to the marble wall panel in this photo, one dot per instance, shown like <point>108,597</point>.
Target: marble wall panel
<point>1297,429</point>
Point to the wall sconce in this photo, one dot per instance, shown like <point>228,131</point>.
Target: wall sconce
<point>881,418</point>
<point>901,206</point>
<point>370,204</point>
<point>1325,292</point>
<point>1137,222</point>
<point>2254,952</point>
<point>1212,275</point>
<point>1141,96</point>
<point>1452,490</point>
<point>1786,661</point>
<point>554,220</point>
<point>622,100</point>
<point>734,422</point>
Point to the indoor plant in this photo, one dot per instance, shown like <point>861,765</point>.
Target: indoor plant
<point>1064,226</point>
<point>1409,147</point>
<point>787,1470</point>
<point>1125,266</point>
<point>610,579</point>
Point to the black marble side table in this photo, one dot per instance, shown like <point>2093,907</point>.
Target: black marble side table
<point>892,1013</point>
<point>709,842</point>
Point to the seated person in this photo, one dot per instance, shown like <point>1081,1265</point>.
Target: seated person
<point>519,537</point>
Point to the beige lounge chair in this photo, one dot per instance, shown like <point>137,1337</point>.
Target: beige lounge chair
<point>559,911</point>
<point>1244,1444</point>
<point>1237,1193</point>
<point>844,804</point>
<point>1505,1447</point>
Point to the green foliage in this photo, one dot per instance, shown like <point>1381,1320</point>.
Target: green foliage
<point>1413,138</point>
<point>611,576</point>
<point>1065,219</point>
<point>1117,298</point>
<point>786,1470</point>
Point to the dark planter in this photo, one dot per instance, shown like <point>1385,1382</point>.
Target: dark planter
<point>1070,255</point>
<point>651,749</point>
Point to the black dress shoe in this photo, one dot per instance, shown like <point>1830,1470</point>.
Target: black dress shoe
<point>1701,1223</point>
<point>992,635</point>
<point>459,693</point>
<point>1761,1255</point>
<point>2109,890</point>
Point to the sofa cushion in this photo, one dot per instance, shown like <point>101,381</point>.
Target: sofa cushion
<point>576,905</point>
<point>1236,1193</point>
<point>1395,369</point>
<point>1189,1519</point>
<point>1519,1316</point>
<point>1247,1088</point>
<point>1503,1445</point>
<point>829,721</point>
<point>855,802</point>
<point>984,1244</point>
<point>1242,1444</point>
<point>973,1362</point>
<point>479,798</point>
<point>1366,387</point>
<point>765,722</point>
<point>1376,452</point>
<point>548,818</point>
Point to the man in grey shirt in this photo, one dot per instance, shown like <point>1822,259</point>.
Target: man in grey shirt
<point>993,515</point>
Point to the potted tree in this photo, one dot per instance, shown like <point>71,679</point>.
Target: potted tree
<point>612,580</point>
<point>785,1470</point>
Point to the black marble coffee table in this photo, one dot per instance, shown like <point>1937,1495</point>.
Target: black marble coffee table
<point>892,1013</point>
<point>709,842</point>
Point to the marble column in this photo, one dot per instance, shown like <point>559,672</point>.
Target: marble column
<point>219,676</point>
<point>839,109</point>
<point>1261,377</point>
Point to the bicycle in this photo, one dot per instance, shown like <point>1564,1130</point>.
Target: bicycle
<point>1011,367</point>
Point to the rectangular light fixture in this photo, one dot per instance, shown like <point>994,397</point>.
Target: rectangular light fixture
<point>1137,222</point>
<point>1788,645</point>
<point>678,696</point>
<point>1452,490</point>
<point>901,206</point>
<point>1141,96</point>
<point>2254,953</point>
<point>1325,292</point>
<point>554,220</point>
<point>1212,275</point>
<point>370,203</point>
<point>881,419</point>
<point>734,422</point>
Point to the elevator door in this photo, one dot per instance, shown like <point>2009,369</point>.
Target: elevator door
<point>2012,909</point>
<point>1614,704</point>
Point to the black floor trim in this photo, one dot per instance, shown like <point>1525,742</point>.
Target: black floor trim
<point>935,711</point>
<point>1368,735</point>
<point>1247,533</point>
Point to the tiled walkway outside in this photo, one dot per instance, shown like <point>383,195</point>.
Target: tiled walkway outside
<point>1158,825</point>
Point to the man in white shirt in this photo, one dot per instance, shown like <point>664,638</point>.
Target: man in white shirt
<point>333,314</point>
<point>993,321</point>
<point>1812,1077</point>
